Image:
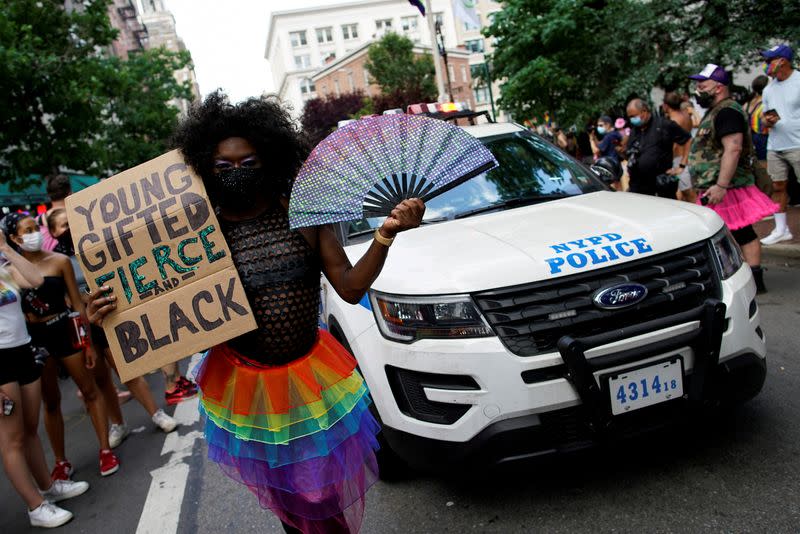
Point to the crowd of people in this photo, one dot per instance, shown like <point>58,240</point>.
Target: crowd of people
<point>311,471</point>
<point>42,303</point>
<point>728,155</point>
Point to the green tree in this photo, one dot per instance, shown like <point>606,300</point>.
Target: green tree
<point>138,120</point>
<point>64,101</point>
<point>574,58</point>
<point>394,68</point>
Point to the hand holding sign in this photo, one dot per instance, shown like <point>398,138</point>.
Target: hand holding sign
<point>162,280</point>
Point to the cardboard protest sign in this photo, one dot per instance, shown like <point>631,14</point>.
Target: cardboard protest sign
<point>150,233</point>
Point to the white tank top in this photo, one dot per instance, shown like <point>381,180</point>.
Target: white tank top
<point>13,332</point>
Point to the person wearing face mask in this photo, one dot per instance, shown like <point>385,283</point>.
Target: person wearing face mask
<point>20,397</point>
<point>58,188</point>
<point>137,387</point>
<point>50,326</point>
<point>721,164</point>
<point>605,139</point>
<point>649,150</point>
<point>287,412</point>
<point>781,104</point>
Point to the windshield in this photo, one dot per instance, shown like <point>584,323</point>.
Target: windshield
<point>531,170</point>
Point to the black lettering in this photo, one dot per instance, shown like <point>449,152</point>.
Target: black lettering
<point>111,244</point>
<point>109,208</point>
<point>152,229</point>
<point>226,301</point>
<point>123,200</point>
<point>129,336</point>
<point>152,189</point>
<point>100,255</point>
<point>196,208</point>
<point>185,180</point>
<point>205,324</point>
<point>125,235</point>
<point>178,320</point>
<point>169,221</point>
<point>87,212</point>
<point>155,343</point>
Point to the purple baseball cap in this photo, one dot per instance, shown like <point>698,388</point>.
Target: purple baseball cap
<point>712,72</point>
<point>781,50</point>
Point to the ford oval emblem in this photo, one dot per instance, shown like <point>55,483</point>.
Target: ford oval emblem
<point>619,296</point>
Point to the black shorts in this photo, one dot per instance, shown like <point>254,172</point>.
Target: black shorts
<point>54,336</point>
<point>99,339</point>
<point>744,235</point>
<point>18,364</point>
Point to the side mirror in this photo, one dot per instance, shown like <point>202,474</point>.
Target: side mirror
<point>607,169</point>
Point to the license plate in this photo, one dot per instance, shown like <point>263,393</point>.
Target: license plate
<point>638,388</point>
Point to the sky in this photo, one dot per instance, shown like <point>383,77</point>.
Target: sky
<point>227,39</point>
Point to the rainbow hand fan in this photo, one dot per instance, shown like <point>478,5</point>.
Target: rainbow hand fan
<point>367,167</point>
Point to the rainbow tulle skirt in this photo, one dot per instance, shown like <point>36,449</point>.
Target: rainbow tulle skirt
<point>300,436</point>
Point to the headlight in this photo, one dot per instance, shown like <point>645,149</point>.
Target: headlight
<point>408,319</point>
<point>729,255</point>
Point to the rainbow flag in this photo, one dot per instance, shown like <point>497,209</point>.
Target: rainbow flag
<point>419,4</point>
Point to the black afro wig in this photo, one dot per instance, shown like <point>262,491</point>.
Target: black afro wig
<point>262,121</point>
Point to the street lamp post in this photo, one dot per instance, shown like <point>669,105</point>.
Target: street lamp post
<point>489,84</point>
<point>443,53</point>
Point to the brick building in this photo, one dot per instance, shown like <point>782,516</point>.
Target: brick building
<point>349,74</point>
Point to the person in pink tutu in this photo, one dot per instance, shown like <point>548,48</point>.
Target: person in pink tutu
<point>721,165</point>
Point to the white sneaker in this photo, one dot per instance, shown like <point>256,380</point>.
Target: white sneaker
<point>48,515</point>
<point>65,489</point>
<point>116,434</point>
<point>164,421</point>
<point>777,237</point>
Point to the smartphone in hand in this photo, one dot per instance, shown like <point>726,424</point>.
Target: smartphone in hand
<point>772,112</point>
<point>8,406</point>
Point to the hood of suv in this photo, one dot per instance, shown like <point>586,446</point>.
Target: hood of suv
<point>539,242</point>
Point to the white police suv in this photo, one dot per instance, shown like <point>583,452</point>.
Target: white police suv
<point>536,311</point>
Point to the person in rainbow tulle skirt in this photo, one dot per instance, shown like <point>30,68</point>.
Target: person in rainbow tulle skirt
<point>721,160</point>
<point>286,411</point>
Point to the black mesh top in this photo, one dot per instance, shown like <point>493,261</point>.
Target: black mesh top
<point>280,272</point>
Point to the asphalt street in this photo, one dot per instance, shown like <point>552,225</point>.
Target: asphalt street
<point>733,472</point>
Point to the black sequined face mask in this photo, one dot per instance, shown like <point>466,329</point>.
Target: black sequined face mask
<point>238,187</point>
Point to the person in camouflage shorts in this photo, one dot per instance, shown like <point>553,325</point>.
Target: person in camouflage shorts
<point>721,165</point>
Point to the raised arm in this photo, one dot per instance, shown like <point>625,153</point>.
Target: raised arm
<point>351,282</point>
<point>25,274</point>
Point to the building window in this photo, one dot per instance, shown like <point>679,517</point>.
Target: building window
<point>298,39</point>
<point>307,86</point>
<point>351,81</point>
<point>474,45</point>
<point>452,73</point>
<point>464,73</point>
<point>409,24</point>
<point>383,24</point>
<point>482,94</point>
<point>366,78</point>
<point>350,31</point>
<point>336,87</point>
<point>302,61</point>
<point>325,35</point>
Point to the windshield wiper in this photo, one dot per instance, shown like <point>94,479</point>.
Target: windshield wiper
<point>510,203</point>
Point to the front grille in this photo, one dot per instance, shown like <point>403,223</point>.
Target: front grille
<point>676,281</point>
